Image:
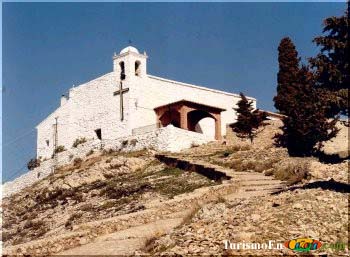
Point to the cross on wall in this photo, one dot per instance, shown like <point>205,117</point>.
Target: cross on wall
<point>120,92</point>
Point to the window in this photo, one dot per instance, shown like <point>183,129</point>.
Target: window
<point>137,68</point>
<point>98,133</point>
<point>47,142</point>
<point>122,70</point>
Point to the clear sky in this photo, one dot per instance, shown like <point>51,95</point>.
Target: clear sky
<point>48,47</point>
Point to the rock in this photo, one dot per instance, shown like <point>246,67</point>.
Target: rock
<point>297,206</point>
<point>255,217</point>
<point>83,241</point>
<point>200,231</point>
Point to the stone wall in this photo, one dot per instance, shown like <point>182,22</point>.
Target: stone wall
<point>169,138</point>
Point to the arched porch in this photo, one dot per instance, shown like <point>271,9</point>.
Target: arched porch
<point>186,115</point>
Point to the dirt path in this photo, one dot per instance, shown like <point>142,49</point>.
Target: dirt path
<point>126,242</point>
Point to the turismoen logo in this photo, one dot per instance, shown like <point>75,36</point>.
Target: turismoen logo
<point>303,244</point>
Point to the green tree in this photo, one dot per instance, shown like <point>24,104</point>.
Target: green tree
<point>331,65</point>
<point>287,75</point>
<point>306,125</point>
<point>248,120</point>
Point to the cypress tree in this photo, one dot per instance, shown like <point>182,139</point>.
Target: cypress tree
<point>306,125</point>
<point>331,65</point>
<point>287,75</point>
<point>248,121</point>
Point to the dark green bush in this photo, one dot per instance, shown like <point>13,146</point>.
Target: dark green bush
<point>60,149</point>
<point>33,163</point>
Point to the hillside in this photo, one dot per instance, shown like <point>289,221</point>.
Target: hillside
<point>99,187</point>
<point>165,203</point>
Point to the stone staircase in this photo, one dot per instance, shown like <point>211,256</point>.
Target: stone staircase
<point>212,172</point>
<point>250,184</point>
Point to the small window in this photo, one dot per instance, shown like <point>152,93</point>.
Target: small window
<point>48,142</point>
<point>98,133</point>
<point>122,70</point>
<point>137,68</point>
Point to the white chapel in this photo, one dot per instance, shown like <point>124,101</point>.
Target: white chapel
<point>129,101</point>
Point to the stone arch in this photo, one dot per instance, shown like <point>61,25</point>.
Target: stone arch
<point>122,70</point>
<point>170,117</point>
<point>201,121</point>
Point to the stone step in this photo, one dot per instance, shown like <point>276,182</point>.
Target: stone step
<point>188,165</point>
<point>249,181</point>
<point>246,183</point>
<point>263,188</point>
<point>247,194</point>
<point>253,178</point>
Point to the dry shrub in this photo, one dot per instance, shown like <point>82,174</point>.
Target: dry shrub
<point>72,218</point>
<point>91,161</point>
<point>233,149</point>
<point>108,204</point>
<point>116,190</point>
<point>32,224</point>
<point>108,175</point>
<point>235,164</point>
<point>137,153</point>
<point>190,215</point>
<point>90,152</point>
<point>292,170</point>
<point>116,165</point>
<point>263,165</point>
<point>110,151</point>
<point>6,236</point>
<point>77,162</point>
<point>133,142</point>
<point>86,207</point>
<point>240,147</point>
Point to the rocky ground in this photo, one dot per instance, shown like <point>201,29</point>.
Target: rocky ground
<point>131,203</point>
<point>314,205</point>
<point>316,213</point>
<point>97,188</point>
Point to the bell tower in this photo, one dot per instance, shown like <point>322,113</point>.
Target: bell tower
<point>130,64</point>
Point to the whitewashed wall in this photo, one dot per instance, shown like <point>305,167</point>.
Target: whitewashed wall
<point>152,92</point>
<point>92,106</point>
<point>89,107</point>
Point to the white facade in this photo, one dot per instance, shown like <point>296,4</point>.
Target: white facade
<point>93,106</point>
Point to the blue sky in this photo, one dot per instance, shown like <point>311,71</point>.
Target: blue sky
<point>48,47</point>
